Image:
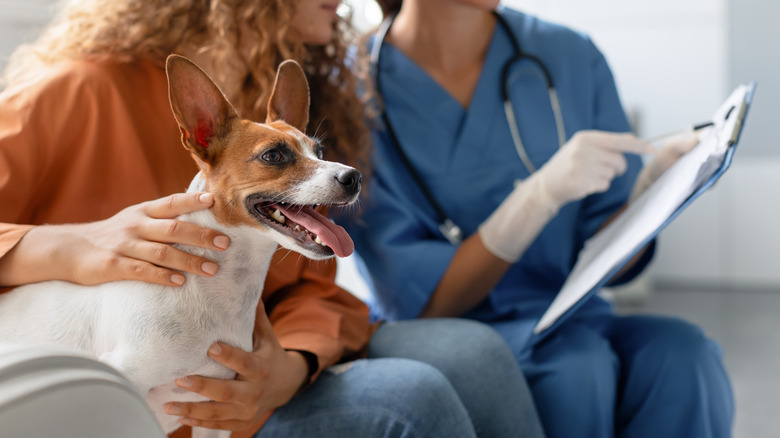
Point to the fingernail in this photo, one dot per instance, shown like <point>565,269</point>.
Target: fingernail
<point>215,350</point>
<point>221,242</point>
<point>206,198</point>
<point>177,279</point>
<point>172,410</point>
<point>184,382</point>
<point>209,268</point>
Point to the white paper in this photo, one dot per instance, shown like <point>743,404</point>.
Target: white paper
<point>615,243</point>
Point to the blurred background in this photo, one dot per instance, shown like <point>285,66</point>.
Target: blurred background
<point>674,61</point>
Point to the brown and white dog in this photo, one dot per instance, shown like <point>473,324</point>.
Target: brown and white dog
<point>266,180</point>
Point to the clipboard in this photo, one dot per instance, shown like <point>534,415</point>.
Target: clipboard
<point>605,254</point>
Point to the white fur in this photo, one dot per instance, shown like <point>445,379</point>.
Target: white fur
<point>154,334</point>
<point>320,185</point>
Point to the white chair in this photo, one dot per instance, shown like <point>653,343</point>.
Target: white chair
<point>46,393</point>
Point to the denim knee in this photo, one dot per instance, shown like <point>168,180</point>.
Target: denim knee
<point>443,341</point>
<point>376,397</point>
<point>478,363</point>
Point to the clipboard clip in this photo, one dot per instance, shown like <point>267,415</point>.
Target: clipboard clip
<point>693,128</point>
<point>738,123</point>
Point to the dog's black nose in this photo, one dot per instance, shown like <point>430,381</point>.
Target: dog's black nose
<point>350,179</point>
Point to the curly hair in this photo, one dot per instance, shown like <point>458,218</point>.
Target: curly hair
<point>239,44</point>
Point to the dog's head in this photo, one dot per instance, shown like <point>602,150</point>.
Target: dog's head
<point>268,175</point>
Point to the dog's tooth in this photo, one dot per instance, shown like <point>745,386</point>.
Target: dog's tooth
<point>276,214</point>
<point>317,240</point>
<point>297,227</point>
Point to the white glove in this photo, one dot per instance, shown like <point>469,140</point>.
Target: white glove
<point>509,230</point>
<point>586,164</point>
<point>668,154</point>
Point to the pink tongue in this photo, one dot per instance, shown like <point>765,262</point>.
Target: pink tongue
<point>331,234</point>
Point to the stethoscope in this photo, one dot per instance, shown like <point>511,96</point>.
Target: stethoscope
<point>447,227</point>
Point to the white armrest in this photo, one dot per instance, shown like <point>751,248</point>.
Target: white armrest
<point>49,393</point>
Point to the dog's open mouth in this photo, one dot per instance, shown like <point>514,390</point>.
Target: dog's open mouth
<point>308,227</point>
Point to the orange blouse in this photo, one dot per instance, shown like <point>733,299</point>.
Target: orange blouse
<point>85,140</point>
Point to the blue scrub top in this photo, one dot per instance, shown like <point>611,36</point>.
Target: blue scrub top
<point>467,159</point>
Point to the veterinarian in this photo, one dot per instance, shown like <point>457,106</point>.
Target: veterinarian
<point>506,213</point>
<point>87,139</point>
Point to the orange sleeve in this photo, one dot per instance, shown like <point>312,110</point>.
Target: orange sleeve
<point>34,117</point>
<point>20,166</point>
<point>23,158</point>
<point>78,144</point>
<point>310,312</point>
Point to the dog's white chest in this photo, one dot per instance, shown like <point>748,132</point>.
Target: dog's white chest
<point>152,334</point>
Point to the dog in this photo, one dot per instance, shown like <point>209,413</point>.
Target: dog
<point>266,179</point>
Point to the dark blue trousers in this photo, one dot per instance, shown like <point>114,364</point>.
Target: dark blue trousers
<point>626,376</point>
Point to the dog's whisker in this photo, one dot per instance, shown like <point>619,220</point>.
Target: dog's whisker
<point>318,130</point>
<point>284,256</point>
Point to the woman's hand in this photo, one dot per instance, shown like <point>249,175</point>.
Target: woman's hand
<point>134,244</point>
<point>266,378</point>
<point>587,164</point>
<point>665,156</point>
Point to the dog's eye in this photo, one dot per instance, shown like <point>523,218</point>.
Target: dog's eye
<point>320,149</point>
<point>272,156</point>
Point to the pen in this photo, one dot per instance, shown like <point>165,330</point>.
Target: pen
<point>692,128</point>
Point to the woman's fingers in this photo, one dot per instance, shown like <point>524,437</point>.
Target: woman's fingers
<point>185,233</point>
<point>138,270</point>
<point>167,256</point>
<point>217,414</point>
<point>224,391</point>
<point>166,228</point>
<point>242,362</point>
<point>157,229</point>
<point>619,142</point>
<point>177,204</point>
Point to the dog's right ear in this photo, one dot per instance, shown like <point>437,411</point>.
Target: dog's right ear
<point>289,99</point>
<point>199,106</point>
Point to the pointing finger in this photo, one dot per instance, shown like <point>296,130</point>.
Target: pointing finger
<point>622,142</point>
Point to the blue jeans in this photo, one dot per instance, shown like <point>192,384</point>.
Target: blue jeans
<point>424,378</point>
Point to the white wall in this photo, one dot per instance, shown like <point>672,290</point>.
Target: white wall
<point>674,62</point>
<point>20,21</point>
<point>668,56</point>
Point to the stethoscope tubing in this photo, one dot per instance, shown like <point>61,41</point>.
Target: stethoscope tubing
<point>447,227</point>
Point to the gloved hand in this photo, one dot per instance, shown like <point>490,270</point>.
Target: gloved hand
<point>586,164</point>
<point>665,156</point>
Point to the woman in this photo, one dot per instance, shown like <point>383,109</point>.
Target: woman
<point>87,138</point>
<point>525,212</point>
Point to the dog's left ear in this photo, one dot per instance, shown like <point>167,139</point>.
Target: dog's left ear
<point>199,106</point>
<point>290,96</point>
